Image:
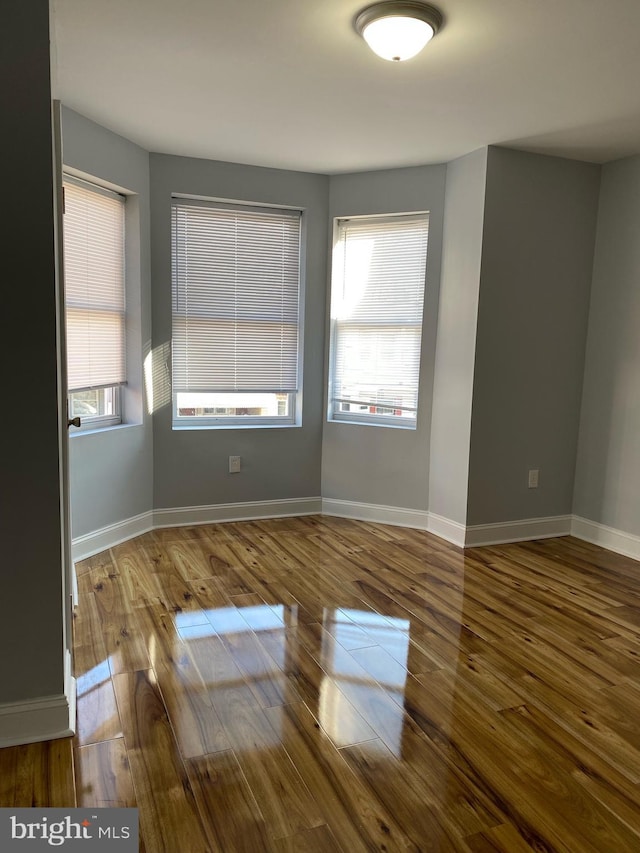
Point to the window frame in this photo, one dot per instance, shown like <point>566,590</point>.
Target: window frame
<point>89,423</point>
<point>369,418</point>
<point>294,417</point>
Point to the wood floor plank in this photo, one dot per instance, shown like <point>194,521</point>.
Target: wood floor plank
<point>196,725</point>
<point>124,645</point>
<point>38,775</point>
<point>604,783</point>
<point>384,668</point>
<point>190,558</point>
<point>98,718</point>
<point>628,647</point>
<point>103,777</point>
<point>504,754</point>
<point>126,648</point>
<point>497,692</point>
<point>173,592</point>
<point>357,821</point>
<point>598,824</point>
<point>163,535</point>
<point>230,813</point>
<point>384,716</point>
<point>262,673</point>
<point>208,594</point>
<point>595,654</point>
<point>315,688</point>
<point>328,796</point>
<point>320,839</point>
<point>453,791</point>
<point>501,839</point>
<point>89,649</point>
<point>584,722</point>
<point>94,571</point>
<point>279,789</point>
<point>275,593</point>
<point>214,663</point>
<point>137,578</point>
<point>169,817</point>
<point>399,789</point>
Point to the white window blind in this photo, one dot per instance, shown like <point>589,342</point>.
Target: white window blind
<point>236,283</point>
<point>378,282</point>
<point>94,287</point>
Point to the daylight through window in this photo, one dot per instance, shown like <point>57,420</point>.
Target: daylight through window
<point>377,298</point>
<point>236,305</point>
<point>94,301</point>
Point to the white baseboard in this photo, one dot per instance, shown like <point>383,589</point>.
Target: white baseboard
<point>46,718</point>
<point>92,543</point>
<point>181,516</point>
<point>607,537</point>
<point>517,531</point>
<point>452,531</point>
<point>397,516</point>
<point>114,534</point>
<point>448,529</point>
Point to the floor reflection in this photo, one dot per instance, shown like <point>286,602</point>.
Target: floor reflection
<point>350,667</point>
<point>99,718</point>
<point>363,679</point>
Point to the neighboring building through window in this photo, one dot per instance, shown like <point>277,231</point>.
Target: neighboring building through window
<point>236,312</point>
<point>94,301</point>
<point>377,299</point>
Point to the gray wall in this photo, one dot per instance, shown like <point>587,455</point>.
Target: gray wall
<point>539,231</point>
<point>456,337</point>
<point>111,471</point>
<point>607,487</point>
<point>31,627</point>
<point>508,288</point>
<point>376,464</point>
<point>191,466</point>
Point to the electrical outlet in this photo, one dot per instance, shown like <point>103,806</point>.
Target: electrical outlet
<point>534,474</point>
<point>234,464</point>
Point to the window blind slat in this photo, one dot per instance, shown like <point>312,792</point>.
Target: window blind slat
<point>378,283</point>
<point>236,277</point>
<point>94,287</point>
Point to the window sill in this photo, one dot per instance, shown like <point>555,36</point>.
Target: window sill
<point>199,428</point>
<point>413,427</point>
<point>99,430</point>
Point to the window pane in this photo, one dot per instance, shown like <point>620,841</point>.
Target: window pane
<point>236,303</point>
<point>95,404</point>
<point>240,405</point>
<point>94,286</point>
<point>378,281</point>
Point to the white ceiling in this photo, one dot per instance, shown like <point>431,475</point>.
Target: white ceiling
<point>288,83</point>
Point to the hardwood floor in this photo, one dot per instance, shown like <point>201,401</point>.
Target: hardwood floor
<point>321,684</point>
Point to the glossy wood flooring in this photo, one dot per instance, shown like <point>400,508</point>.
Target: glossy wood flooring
<point>320,684</point>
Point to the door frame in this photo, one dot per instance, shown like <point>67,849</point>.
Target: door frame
<point>69,584</point>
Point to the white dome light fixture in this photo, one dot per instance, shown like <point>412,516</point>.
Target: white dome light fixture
<point>398,30</point>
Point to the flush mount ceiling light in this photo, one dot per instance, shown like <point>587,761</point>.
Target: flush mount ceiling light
<point>397,30</point>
